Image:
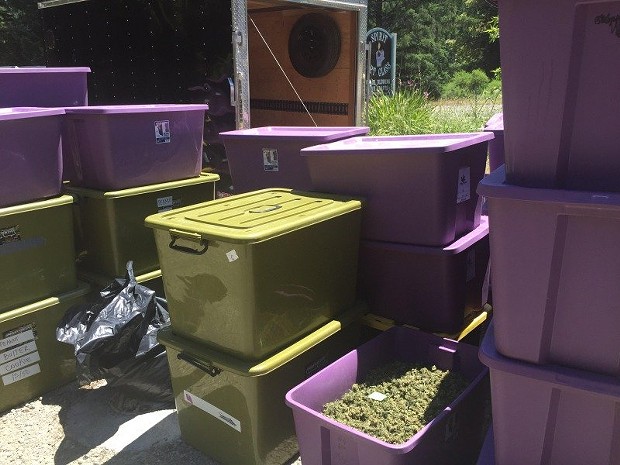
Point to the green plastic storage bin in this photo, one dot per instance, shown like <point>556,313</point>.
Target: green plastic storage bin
<point>37,257</point>
<point>152,280</point>
<point>233,410</point>
<point>250,273</point>
<point>32,361</point>
<point>110,225</point>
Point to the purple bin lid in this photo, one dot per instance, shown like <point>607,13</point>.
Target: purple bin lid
<point>124,109</point>
<point>495,122</point>
<point>411,145</point>
<point>318,134</point>
<point>495,186</point>
<point>7,114</point>
<point>554,374</point>
<point>42,69</point>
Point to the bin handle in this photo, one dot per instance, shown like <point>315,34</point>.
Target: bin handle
<point>176,234</point>
<point>209,369</point>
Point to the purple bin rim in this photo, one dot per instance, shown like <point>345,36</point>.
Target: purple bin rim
<point>124,109</point>
<point>495,123</point>
<point>453,248</point>
<point>13,113</point>
<point>42,69</point>
<point>495,186</point>
<point>568,378</point>
<point>316,134</point>
<point>419,144</point>
<point>355,434</point>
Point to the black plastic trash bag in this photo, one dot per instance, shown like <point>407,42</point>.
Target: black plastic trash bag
<point>115,338</point>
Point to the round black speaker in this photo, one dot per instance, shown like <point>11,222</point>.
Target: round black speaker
<point>314,45</point>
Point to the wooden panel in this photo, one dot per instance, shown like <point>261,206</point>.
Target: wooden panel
<point>280,118</point>
<point>267,80</point>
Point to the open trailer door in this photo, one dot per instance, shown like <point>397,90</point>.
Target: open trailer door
<point>257,62</point>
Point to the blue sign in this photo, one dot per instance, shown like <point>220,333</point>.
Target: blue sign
<point>382,60</point>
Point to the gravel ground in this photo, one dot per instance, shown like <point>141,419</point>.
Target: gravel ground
<point>94,425</point>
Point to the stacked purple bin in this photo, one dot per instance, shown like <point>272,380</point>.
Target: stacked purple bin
<point>39,86</point>
<point>424,250</point>
<point>554,214</point>
<point>495,124</point>
<point>268,156</point>
<point>452,437</point>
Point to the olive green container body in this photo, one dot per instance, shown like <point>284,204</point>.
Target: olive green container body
<point>109,226</point>
<point>32,361</point>
<point>233,410</point>
<point>253,295</point>
<point>152,280</point>
<point>37,256</point>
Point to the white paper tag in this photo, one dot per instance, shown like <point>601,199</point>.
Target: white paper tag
<point>165,203</point>
<point>18,351</point>
<point>212,410</point>
<point>232,255</point>
<point>270,159</point>
<point>464,187</point>
<point>377,396</point>
<point>21,374</point>
<point>16,339</point>
<point>19,363</point>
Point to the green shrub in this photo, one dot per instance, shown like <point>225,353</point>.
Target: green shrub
<point>406,112</point>
<point>466,84</point>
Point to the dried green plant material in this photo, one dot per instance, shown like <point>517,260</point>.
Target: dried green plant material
<point>415,394</point>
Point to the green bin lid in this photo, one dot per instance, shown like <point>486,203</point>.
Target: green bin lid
<point>253,217</point>
<point>212,358</point>
<point>93,193</point>
<point>38,205</point>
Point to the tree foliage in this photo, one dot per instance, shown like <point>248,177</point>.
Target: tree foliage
<point>437,38</point>
<point>21,41</point>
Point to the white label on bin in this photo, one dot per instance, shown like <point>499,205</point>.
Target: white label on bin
<point>270,159</point>
<point>10,235</point>
<point>16,339</point>
<point>463,190</point>
<point>165,203</point>
<point>18,351</point>
<point>21,374</point>
<point>232,255</point>
<point>471,265</point>
<point>19,363</point>
<point>162,132</point>
<point>212,410</point>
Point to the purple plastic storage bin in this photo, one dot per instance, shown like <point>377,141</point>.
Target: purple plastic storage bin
<point>122,146</point>
<point>30,154</point>
<point>418,189</point>
<point>555,274</point>
<point>487,453</point>
<point>560,93</point>
<point>496,145</point>
<point>453,437</point>
<point>426,287</point>
<point>551,415</point>
<point>268,156</point>
<point>43,87</point>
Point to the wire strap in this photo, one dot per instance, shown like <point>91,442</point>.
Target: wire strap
<point>283,72</point>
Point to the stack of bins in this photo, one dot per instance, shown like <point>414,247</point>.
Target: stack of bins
<point>124,163</point>
<point>424,252</point>
<point>264,157</point>
<point>554,212</point>
<point>37,260</point>
<point>261,294</point>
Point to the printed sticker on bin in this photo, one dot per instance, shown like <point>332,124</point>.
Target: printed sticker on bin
<point>19,356</point>
<point>162,132</point>
<point>270,159</point>
<point>463,190</point>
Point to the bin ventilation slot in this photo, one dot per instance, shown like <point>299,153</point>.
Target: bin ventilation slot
<point>327,108</point>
